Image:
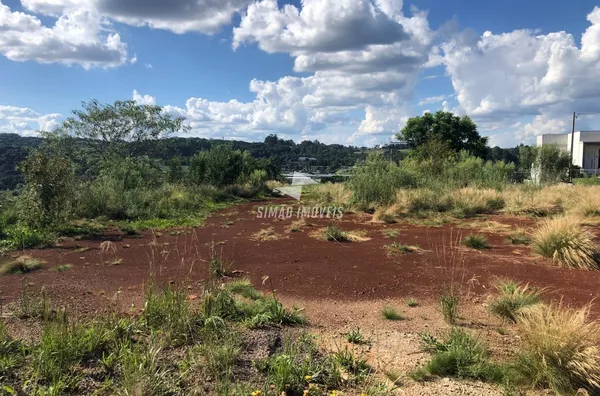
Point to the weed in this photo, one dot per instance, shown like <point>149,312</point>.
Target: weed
<point>21,265</point>
<point>512,298</point>
<point>450,304</point>
<point>412,303</point>
<point>355,336</point>
<point>563,240</point>
<point>476,242</point>
<point>334,233</point>
<point>355,365</point>
<point>463,356</point>
<point>501,331</point>
<point>390,313</point>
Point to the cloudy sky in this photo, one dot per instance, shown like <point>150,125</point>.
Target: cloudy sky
<point>340,71</point>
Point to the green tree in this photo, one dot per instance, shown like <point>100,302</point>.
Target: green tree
<point>122,129</point>
<point>176,173</point>
<point>460,133</point>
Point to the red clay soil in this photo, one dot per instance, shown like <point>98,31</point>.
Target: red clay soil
<point>297,264</point>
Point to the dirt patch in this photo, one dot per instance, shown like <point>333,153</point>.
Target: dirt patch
<point>298,266</point>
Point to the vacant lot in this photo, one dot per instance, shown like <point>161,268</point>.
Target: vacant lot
<point>343,272</point>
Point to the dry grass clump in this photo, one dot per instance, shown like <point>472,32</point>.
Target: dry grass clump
<point>588,204</point>
<point>531,200</point>
<point>567,243</point>
<point>21,265</point>
<point>331,194</point>
<point>470,201</point>
<point>267,234</point>
<point>560,348</point>
<point>384,215</point>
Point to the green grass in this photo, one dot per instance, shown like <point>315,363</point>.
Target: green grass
<point>474,241</point>
<point>391,313</point>
<point>412,303</point>
<point>355,336</point>
<point>512,298</point>
<point>391,233</point>
<point>518,238</point>
<point>459,355</point>
<point>21,265</point>
<point>449,302</point>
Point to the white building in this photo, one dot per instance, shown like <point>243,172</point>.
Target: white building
<point>586,153</point>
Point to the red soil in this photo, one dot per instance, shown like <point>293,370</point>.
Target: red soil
<point>298,265</point>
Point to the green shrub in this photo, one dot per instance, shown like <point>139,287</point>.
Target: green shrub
<point>518,238</point>
<point>21,236</point>
<point>587,181</point>
<point>476,242</point>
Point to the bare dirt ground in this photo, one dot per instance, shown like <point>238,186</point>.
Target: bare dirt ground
<point>340,285</point>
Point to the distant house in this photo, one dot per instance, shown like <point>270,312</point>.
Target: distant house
<point>586,147</point>
<point>397,144</point>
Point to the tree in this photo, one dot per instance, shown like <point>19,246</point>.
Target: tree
<point>460,133</point>
<point>49,185</point>
<point>122,129</point>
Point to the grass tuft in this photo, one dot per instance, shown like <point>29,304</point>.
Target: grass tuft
<point>450,304</point>
<point>560,348</point>
<point>21,265</point>
<point>475,241</point>
<point>355,336</point>
<point>512,298</point>
<point>390,313</point>
<point>518,238</point>
<point>563,240</point>
<point>334,233</point>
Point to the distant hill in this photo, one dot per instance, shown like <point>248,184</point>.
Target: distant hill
<point>285,154</point>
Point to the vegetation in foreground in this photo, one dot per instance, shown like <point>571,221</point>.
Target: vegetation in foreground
<point>178,347</point>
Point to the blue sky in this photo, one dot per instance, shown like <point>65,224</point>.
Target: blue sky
<point>344,71</point>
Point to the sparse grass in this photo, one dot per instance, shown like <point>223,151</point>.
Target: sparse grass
<point>334,233</point>
<point>559,348</point>
<point>391,313</point>
<point>518,238</point>
<point>567,243</point>
<point>244,288</point>
<point>475,241</point>
<point>267,234</point>
<point>355,336</point>
<point>412,303</point>
<point>400,248</point>
<point>62,267</point>
<point>390,233</point>
<point>296,226</point>
<point>394,376</point>
<point>21,265</point>
<point>450,304</point>
<point>512,299</point>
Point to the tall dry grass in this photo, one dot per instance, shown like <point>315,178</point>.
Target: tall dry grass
<point>567,243</point>
<point>560,348</point>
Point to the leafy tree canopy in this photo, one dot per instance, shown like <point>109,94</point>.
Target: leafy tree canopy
<point>122,129</point>
<point>459,133</point>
